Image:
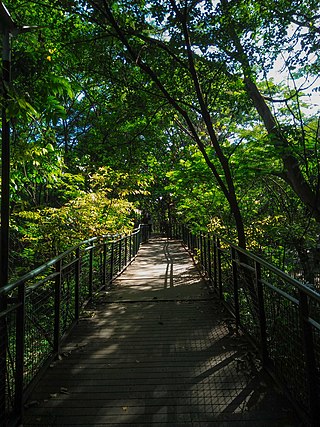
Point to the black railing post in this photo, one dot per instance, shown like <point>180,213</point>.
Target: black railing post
<point>309,355</point>
<point>219,269</point>
<point>3,357</point>
<point>205,253</point>
<point>201,241</point>
<point>57,304</point>
<point>262,315</point>
<point>135,240</point>
<point>130,247</point>
<point>196,245</point>
<point>104,264</point>
<point>77,286</point>
<point>215,264</point>
<point>20,339</point>
<point>134,243</point>
<point>125,250</point>
<point>120,254</point>
<point>111,261</point>
<point>90,284</point>
<point>235,286</point>
<point>209,258</point>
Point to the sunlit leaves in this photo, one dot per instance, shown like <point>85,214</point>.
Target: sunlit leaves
<point>44,233</point>
<point>89,122</point>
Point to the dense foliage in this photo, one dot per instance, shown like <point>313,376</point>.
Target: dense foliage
<point>171,107</point>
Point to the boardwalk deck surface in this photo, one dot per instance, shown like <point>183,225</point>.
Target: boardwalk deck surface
<point>157,350</point>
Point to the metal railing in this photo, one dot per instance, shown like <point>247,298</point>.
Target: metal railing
<point>40,309</point>
<point>280,315</point>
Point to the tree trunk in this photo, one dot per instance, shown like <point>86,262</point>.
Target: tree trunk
<point>292,172</point>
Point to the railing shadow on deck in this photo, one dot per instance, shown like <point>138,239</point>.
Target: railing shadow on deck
<point>146,380</point>
<point>39,310</point>
<point>279,314</point>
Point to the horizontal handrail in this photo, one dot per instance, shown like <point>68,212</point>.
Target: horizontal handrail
<point>38,270</point>
<point>281,292</point>
<point>272,268</point>
<point>41,282</point>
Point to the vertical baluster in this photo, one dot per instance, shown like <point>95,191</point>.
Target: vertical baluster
<point>104,264</point>
<point>57,307</point>
<point>201,251</point>
<point>90,284</point>
<point>235,286</point>
<point>134,244</point>
<point>77,285</point>
<point>262,315</point>
<point>136,237</point>
<point>209,259</point>
<point>205,253</point>
<point>215,264</point>
<point>219,269</point>
<point>111,261</point>
<point>197,240</point>
<point>125,250</point>
<point>20,340</point>
<point>310,359</point>
<point>120,254</point>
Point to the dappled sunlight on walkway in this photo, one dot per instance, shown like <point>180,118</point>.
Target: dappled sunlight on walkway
<point>157,349</point>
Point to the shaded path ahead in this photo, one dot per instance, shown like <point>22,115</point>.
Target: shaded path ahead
<point>157,349</point>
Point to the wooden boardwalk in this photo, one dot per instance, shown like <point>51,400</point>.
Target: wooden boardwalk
<point>157,349</point>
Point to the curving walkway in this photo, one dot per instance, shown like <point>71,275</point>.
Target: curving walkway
<point>157,349</point>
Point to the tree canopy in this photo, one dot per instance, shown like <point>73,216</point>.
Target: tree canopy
<point>168,106</point>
